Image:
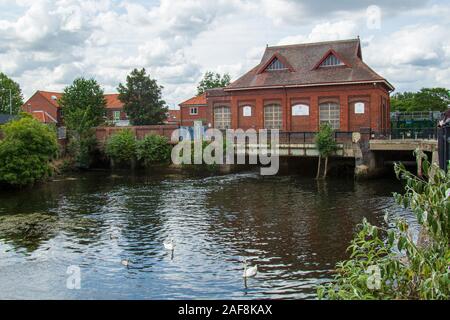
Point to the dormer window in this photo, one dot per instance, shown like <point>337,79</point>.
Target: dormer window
<point>331,61</point>
<point>276,65</point>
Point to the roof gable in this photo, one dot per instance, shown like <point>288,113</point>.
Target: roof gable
<point>276,63</point>
<point>331,59</point>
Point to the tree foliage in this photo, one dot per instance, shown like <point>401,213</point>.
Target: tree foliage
<point>7,84</point>
<point>84,107</point>
<point>121,147</point>
<point>83,104</point>
<point>213,80</point>
<point>389,263</point>
<point>153,149</point>
<point>427,99</point>
<point>325,142</point>
<point>26,151</point>
<point>142,99</point>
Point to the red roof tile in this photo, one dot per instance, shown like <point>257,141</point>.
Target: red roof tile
<point>196,101</point>
<point>112,99</point>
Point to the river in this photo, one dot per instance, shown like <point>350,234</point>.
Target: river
<point>294,228</point>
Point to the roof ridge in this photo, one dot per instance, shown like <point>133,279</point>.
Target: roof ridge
<point>312,43</point>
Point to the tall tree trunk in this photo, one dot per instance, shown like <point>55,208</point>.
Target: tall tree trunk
<point>318,167</point>
<point>326,168</point>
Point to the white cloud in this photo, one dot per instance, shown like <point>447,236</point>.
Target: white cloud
<point>45,44</point>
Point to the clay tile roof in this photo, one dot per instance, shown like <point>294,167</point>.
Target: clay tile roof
<point>49,95</point>
<point>112,99</point>
<point>196,101</point>
<point>304,59</point>
<point>113,102</point>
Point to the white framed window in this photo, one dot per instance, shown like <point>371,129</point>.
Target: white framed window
<point>330,61</point>
<point>330,113</point>
<point>276,65</point>
<point>247,111</point>
<point>193,111</point>
<point>300,110</point>
<point>273,117</point>
<point>359,108</point>
<point>222,117</point>
<point>116,115</point>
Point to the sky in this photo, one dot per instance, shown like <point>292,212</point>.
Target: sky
<point>45,45</point>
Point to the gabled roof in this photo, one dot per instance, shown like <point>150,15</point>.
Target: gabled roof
<point>112,99</point>
<point>43,116</point>
<point>304,58</point>
<point>196,101</point>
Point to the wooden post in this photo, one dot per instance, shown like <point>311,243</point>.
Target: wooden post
<point>318,168</point>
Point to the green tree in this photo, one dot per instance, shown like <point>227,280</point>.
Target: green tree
<point>7,84</point>
<point>121,147</point>
<point>26,151</point>
<point>387,263</point>
<point>427,99</point>
<point>84,107</point>
<point>326,145</point>
<point>142,99</point>
<point>213,80</point>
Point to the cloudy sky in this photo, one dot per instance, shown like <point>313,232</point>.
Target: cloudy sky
<point>46,44</point>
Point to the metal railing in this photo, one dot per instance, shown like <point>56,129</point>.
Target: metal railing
<point>414,133</point>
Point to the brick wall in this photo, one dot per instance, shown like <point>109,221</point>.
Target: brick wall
<point>375,98</point>
<point>188,120</point>
<point>103,133</point>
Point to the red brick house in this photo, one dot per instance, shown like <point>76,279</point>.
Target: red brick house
<point>194,109</point>
<point>295,88</point>
<point>43,105</point>
<point>173,117</point>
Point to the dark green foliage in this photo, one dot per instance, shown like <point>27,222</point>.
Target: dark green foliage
<point>427,99</point>
<point>82,148</point>
<point>213,80</point>
<point>121,147</point>
<point>16,95</point>
<point>84,107</point>
<point>408,269</point>
<point>325,142</point>
<point>83,104</point>
<point>153,149</point>
<point>26,151</point>
<point>142,98</point>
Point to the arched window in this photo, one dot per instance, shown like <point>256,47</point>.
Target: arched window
<point>222,117</point>
<point>273,117</point>
<point>247,111</point>
<point>330,113</point>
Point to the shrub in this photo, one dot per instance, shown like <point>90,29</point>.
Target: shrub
<point>153,149</point>
<point>81,148</point>
<point>121,147</point>
<point>26,151</point>
<point>388,263</point>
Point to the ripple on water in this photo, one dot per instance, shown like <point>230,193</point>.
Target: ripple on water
<point>294,229</point>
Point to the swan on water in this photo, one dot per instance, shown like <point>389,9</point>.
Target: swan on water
<point>249,271</point>
<point>169,245</point>
<point>126,263</point>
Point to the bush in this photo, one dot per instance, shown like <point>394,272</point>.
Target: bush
<point>81,148</point>
<point>26,151</point>
<point>388,263</point>
<point>121,147</point>
<point>153,149</point>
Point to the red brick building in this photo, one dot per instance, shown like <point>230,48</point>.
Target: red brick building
<point>173,117</point>
<point>43,105</point>
<point>295,88</point>
<point>194,109</point>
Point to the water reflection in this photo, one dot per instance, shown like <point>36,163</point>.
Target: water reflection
<point>295,229</point>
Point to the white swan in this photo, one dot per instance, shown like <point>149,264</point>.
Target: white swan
<point>126,263</point>
<point>249,271</point>
<point>169,245</point>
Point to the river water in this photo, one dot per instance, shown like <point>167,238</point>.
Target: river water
<point>294,228</point>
